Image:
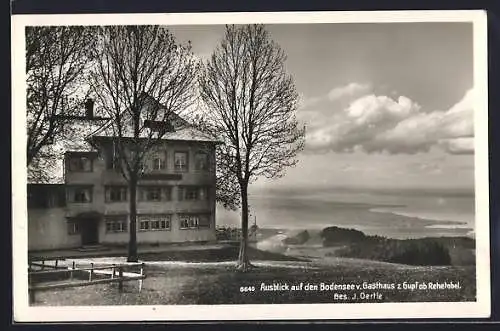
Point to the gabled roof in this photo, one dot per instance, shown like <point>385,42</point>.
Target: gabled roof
<point>85,130</point>
<point>187,133</point>
<point>181,130</point>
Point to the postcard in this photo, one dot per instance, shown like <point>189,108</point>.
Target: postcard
<point>250,166</point>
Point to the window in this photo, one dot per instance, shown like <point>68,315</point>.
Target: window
<point>152,194</point>
<point>193,193</point>
<point>144,225</point>
<point>73,227</point>
<point>80,164</point>
<point>203,193</point>
<point>181,161</point>
<point>201,161</point>
<point>194,221</point>
<point>159,126</point>
<point>116,224</point>
<point>80,194</point>
<point>154,222</point>
<point>204,221</point>
<point>156,193</point>
<point>158,161</point>
<point>116,193</point>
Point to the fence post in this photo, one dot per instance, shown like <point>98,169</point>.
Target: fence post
<point>140,280</point>
<point>91,271</point>
<point>56,264</point>
<point>120,281</point>
<point>72,268</point>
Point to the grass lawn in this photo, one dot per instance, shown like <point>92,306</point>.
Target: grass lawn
<point>226,253</point>
<point>219,283</point>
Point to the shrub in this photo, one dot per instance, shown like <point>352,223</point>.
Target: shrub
<point>422,253</point>
<point>337,236</point>
<point>410,251</point>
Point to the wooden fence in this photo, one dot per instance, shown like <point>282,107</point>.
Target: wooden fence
<point>118,273</point>
<point>42,263</point>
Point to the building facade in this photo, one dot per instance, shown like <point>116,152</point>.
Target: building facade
<point>175,196</point>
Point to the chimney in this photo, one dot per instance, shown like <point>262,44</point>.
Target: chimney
<point>89,108</point>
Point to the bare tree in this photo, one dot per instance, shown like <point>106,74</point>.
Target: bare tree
<point>227,187</point>
<point>56,60</point>
<point>250,102</point>
<point>141,78</point>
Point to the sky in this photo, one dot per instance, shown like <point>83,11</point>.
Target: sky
<point>386,105</point>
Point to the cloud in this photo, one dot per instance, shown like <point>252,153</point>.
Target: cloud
<point>458,145</point>
<point>349,90</point>
<point>339,96</point>
<point>381,124</point>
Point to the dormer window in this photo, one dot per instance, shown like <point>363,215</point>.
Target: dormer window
<point>181,161</point>
<point>158,161</point>
<point>159,126</point>
<point>201,161</point>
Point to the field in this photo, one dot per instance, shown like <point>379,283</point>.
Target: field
<point>204,281</point>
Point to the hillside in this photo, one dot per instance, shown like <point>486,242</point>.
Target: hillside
<point>421,251</point>
<point>350,243</point>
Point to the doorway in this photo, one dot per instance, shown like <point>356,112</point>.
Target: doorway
<point>89,230</point>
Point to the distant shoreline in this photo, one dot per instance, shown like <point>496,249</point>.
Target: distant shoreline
<point>384,210</point>
<point>287,231</point>
<point>412,225</point>
<point>440,231</point>
<point>393,217</point>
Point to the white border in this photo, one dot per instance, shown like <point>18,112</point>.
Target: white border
<point>24,313</point>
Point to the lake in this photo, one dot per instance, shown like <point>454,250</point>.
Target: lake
<point>405,214</point>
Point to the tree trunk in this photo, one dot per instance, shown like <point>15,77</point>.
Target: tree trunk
<point>132,244</point>
<point>243,261</point>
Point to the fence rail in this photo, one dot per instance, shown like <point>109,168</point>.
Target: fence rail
<point>40,263</point>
